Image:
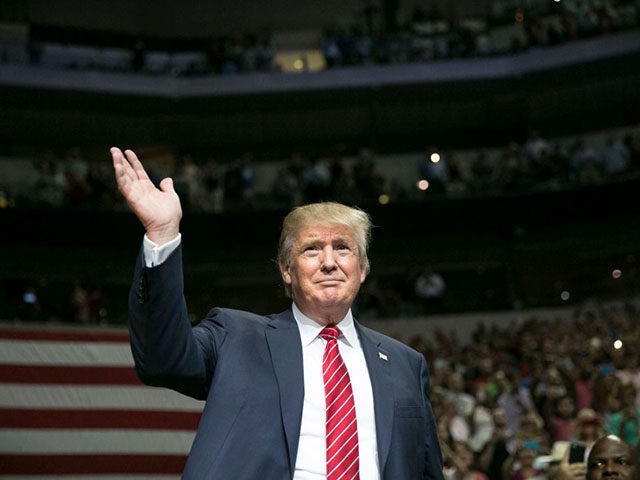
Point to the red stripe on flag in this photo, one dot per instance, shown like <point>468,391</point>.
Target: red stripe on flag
<point>92,419</point>
<point>64,335</point>
<point>68,375</point>
<point>91,464</point>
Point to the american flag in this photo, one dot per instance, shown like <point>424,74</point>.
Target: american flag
<point>71,407</point>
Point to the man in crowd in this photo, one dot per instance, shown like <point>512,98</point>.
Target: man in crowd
<point>611,457</point>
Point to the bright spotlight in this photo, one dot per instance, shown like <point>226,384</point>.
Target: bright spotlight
<point>383,199</point>
<point>423,184</point>
<point>435,157</point>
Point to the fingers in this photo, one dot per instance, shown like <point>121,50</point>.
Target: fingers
<point>136,165</point>
<point>127,164</point>
<point>166,185</point>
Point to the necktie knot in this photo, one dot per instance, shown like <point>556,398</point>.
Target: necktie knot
<point>330,332</point>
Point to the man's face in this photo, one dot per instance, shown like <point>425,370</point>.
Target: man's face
<point>612,458</point>
<point>324,273</point>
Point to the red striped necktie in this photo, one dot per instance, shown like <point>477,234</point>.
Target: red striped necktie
<point>342,430</point>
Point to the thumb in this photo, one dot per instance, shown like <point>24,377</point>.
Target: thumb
<point>166,185</point>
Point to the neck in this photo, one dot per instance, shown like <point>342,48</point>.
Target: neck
<point>325,317</point>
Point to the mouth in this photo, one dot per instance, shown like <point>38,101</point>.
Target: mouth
<point>329,282</point>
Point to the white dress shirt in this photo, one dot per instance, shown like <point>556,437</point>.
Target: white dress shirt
<point>311,459</point>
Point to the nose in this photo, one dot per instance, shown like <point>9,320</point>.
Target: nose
<point>610,470</point>
<point>328,260</point>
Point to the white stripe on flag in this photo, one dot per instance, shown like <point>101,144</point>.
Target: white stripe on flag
<point>61,441</point>
<point>36,352</point>
<point>91,397</point>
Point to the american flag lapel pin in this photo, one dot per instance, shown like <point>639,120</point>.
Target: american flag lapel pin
<point>383,356</point>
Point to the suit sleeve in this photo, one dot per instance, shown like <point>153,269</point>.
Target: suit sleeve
<point>433,456</point>
<point>167,351</point>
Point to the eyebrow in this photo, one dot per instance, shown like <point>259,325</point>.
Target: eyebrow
<point>319,239</point>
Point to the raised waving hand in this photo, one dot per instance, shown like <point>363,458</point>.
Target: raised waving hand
<point>158,209</point>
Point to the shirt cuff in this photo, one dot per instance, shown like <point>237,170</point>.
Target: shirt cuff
<point>155,254</point>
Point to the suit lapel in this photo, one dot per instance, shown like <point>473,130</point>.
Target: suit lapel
<point>378,363</point>
<point>286,354</point>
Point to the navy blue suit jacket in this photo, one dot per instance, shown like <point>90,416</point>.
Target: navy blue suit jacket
<point>249,370</point>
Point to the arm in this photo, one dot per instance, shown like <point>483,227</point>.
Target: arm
<point>165,349</point>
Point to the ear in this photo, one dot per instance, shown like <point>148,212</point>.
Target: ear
<point>363,276</point>
<point>284,273</point>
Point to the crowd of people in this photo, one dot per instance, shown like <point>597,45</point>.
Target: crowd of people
<point>433,35</point>
<point>377,37</point>
<point>207,185</point>
<point>509,403</point>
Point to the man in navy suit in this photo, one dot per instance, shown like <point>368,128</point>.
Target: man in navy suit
<point>261,376</point>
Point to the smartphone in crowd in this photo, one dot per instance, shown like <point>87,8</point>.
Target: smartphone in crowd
<point>576,452</point>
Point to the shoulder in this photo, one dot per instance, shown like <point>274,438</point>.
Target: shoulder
<point>232,319</point>
<point>389,343</point>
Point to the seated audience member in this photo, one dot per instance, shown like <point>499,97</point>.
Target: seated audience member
<point>562,419</point>
<point>523,465</point>
<point>625,423</point>
<point>460,463</point>
<point>588,427</point>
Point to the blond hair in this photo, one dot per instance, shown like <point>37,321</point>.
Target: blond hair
<point>323,214</point>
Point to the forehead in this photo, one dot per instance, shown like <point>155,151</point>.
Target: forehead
<point>610,449</point>
<point>327,232</point>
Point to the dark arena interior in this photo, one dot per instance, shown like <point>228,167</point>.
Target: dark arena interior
<point>495,144</point>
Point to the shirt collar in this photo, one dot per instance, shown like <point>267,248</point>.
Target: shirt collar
<point>310,329</point>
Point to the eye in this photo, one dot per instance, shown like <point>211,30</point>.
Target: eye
<point>310,250</point>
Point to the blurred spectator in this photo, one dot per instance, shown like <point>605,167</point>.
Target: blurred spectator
<point>77,170</point>
<point>625,423</point>
<point>316,180</point>
<point>368,180</point>
<point>80,303</point>
<point>499,448</point>
<point>513,398</point>
<point>460,463</point>
<point>213,187</point>
<point>588,427</point>
<point>482,172</point>
<point>562,419</point>
<point>533,429</point>
<point>584,163</point>
<point>239,181</point>
<point>523,465</point>
<point>51,182</point>
<point>615,156</point>
<point>535,146</point>
<point>429,289</point>
<point>632,142</point>
<point>513,170</point>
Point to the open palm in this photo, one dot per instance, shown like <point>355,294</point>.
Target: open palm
<point>158,209</point>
